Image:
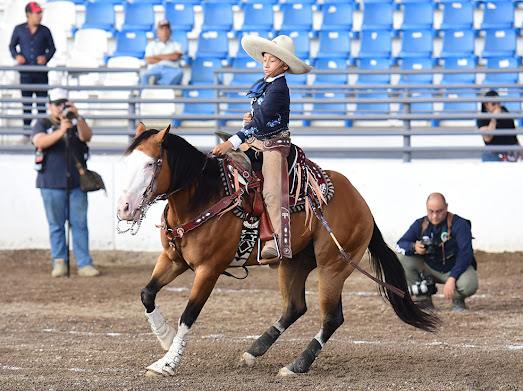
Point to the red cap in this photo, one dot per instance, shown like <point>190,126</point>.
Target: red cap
<point>33,7</point>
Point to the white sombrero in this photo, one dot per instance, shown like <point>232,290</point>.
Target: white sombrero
<point>282,47</point>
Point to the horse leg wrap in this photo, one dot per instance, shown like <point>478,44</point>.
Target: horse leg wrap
<point>161,328</point>
<point>262,344</point>
<point>303,363</point>
<point>168,363</point>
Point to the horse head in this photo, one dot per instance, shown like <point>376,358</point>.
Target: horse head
<point>147,177</point>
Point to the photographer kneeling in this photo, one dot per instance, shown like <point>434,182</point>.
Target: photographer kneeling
<point>51,135</point>
<point>437,248</point>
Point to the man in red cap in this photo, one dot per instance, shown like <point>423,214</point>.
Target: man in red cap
<point>32,44</point>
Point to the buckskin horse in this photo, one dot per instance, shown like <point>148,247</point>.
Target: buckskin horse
<point>163,165</point>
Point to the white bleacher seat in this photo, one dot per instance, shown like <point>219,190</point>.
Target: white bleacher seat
<point>60,13</point>
<point>83,60</point>
<point>164,109</point>
<point>91,42</point>
<point>122,78</point>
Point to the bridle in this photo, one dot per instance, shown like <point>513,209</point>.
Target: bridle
<point>144,204</point>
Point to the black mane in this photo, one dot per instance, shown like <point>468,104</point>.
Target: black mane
<point>186,163</point>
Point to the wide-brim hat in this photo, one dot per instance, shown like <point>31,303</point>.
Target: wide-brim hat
<point>282,47</point>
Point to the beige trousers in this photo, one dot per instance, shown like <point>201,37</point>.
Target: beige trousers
<point>272,190</point>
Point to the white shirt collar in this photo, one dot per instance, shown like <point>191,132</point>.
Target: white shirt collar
<point>271,79</point>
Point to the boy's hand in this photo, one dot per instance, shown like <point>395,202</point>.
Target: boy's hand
<point>222,149</point>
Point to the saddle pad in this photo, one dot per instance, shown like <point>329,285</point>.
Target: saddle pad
<point>300,166</point>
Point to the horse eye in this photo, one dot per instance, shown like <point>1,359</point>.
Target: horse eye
<point>150,164</point>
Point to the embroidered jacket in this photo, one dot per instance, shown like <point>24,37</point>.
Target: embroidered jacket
<point>270,110</point>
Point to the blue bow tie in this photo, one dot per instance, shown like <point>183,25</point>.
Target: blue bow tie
<point>257,89</point>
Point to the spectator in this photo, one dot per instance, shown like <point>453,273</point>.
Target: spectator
<point>447,255</point>
<point>163,58</point>
<point>35,47</point>
<point>492,124</point>
<point>49,137</point>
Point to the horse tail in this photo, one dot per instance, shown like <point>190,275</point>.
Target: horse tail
<point>387,266</point>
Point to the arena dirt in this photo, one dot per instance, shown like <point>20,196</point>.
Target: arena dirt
<point>91,334</point>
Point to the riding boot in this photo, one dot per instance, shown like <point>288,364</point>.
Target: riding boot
<point>272,195</point>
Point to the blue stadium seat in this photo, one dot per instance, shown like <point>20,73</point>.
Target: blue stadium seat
<point>258,16</point>
<point>499,43</point>
<point>299,1</point>
<point>246,78</point>
<point>193,2</point>
<point>498,15</point>
<point>202,70</point>
<point>241,53</point>
<point>377,16</point>
<point>153,2</point>
<point>501,63</point>
<point>131,43</point>
<point>296,16</point>
<point>181,16</point>
<point>457,16</point>
<point>334,44</point>
<point>302,42</point>
<point>374,44</point>
<point>425,78</point>
<point>273,2</point>
<point>138,16</point>
<point>457,43</point>
<point>334,64</point>
<point>417,16</point>
<point>337,16</point>
<point>416,43</point>
<point>365,79</point>
<point>459,63</point>
<point>217,16</point>
<point>99,15</point>
<point>199,108</point>
<point>213,44</point>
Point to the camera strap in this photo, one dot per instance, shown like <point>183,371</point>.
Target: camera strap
<point>425,225</point>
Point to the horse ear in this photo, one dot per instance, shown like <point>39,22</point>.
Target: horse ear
<point>140,128</point>
<point>163,134</point>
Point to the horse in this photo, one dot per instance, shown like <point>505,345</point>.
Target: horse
<point>164,165</point>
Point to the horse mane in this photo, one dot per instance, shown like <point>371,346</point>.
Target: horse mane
<point>186,164</point>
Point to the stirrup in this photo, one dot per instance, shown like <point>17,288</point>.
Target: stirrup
<point>263,261</point>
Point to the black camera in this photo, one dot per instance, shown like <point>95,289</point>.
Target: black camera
<point>68,113</point>
<point>425,286</point>
<point>430,246</point>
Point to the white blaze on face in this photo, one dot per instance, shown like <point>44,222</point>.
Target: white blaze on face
<point>140,169</point>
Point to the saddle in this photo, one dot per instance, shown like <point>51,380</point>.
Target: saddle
<point>307,182</point>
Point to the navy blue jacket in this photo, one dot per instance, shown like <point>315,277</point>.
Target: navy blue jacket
<point>458,249</point>
<point>270,111</point>
<point>31,46</point>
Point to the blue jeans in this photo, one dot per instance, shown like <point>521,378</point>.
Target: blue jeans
<point>55,201</point>
<point>165,75</point>
<point>488,156</point>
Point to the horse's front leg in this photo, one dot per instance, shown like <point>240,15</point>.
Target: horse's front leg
<point>204,282</point>
<point>165,271</point>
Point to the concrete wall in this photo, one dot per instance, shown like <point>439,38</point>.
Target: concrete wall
<point>489,194</point>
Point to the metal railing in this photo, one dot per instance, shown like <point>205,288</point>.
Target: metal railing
<point>314,122</point>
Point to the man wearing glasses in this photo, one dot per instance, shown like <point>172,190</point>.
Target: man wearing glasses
<point>437,248</point>
<point>32,44</point>
<point>49,136</point>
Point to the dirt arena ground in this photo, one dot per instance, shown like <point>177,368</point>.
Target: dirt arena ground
<point>91,334</point>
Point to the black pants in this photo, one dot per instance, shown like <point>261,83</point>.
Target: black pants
<point>33,78</point>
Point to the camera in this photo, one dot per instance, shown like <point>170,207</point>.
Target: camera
<point>68,113</point>
<point>430,246</point>
<point>425,286</point>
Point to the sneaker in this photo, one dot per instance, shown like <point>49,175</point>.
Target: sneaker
<point>60,268</point>
<point>88,271</point>
<point>425,304</point>
<point>458,305</point>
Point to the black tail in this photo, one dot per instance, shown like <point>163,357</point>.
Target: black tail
<point>386,265</point>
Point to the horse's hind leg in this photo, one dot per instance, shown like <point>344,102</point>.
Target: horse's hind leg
<point>164,272</point>
<point>292,276</point>
<point>331,280</point>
